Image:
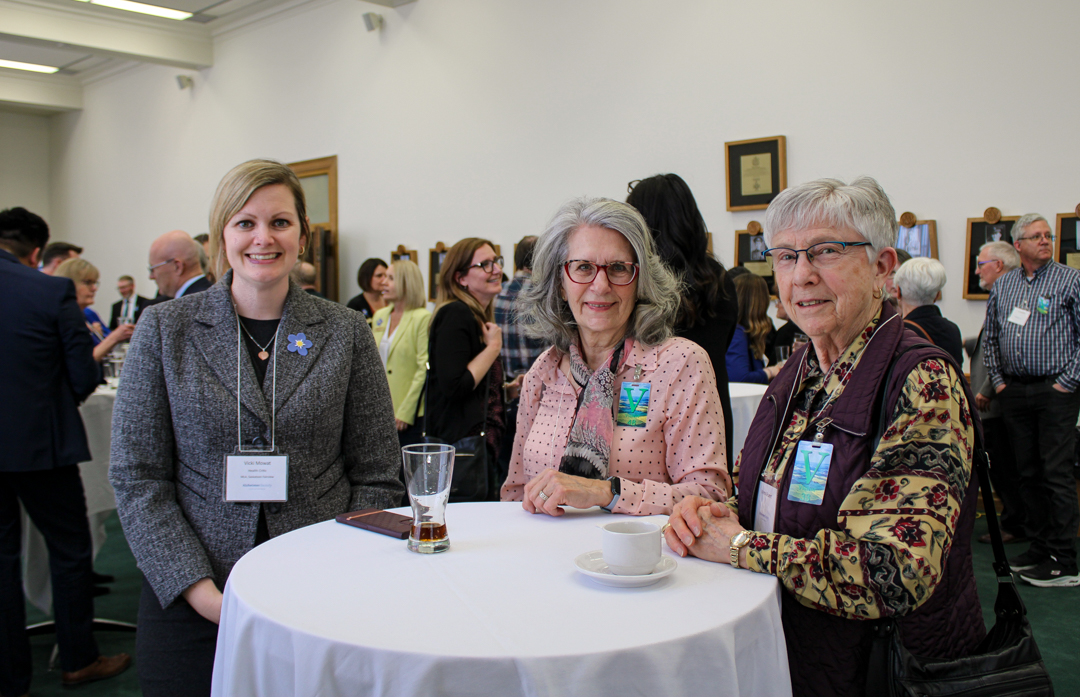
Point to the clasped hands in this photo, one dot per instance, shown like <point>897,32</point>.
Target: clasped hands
<point>704,529</point>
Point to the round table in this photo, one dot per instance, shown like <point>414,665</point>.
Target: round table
<point>336,610</point>
<point>745,398</point>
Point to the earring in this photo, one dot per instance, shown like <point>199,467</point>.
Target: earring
<point>878,293</point>
<point>301,252</point>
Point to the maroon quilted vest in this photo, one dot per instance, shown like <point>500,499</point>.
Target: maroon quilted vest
<point>828,655</point>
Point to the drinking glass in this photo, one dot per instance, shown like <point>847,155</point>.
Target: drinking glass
<point>798,341</point>
<point>783,353</point>
<point>429,469</point>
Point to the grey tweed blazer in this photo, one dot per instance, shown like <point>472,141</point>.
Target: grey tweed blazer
<point>175,420</point>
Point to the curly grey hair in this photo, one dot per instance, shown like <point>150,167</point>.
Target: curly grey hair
<point>546,316</point>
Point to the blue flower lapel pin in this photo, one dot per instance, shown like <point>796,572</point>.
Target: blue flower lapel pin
<point>298,343</point>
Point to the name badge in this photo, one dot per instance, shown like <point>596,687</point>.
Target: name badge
<point>765,513</point>
<point>256,477</point>
<point>1042,305</point>
<point>1019,316</point>
<point>811,472</point>
<point>633,404</point>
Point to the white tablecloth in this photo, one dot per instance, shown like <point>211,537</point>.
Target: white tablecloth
<point>100,498</point>
<point>334,610</point>
<point>745,397</point>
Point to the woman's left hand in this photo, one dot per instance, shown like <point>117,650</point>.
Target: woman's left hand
<point>564,490</point>
<point>715,525</point>
<point>401,425</point>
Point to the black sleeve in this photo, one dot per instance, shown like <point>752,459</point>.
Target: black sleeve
<point>453,344</point>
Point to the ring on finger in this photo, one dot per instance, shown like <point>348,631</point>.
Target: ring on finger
<point>543,496</point>
<point>665,528</point>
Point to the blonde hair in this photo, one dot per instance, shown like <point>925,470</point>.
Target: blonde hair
<point>233,193</point>
<point>408,284</point>
<point>753,294</point>
<point>458,260</point>
<point>78,270</point>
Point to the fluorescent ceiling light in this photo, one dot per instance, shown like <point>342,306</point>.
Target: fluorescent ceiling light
<point>130,6</point>
<point>32,67</point>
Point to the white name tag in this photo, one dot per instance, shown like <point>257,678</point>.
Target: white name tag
<point>766,508</point>
<point>261,477</point>
<point>1019,316</point>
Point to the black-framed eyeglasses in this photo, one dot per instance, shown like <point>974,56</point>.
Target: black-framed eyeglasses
<point>619,273</point>
<point>488,265</point>
<point>822,255</point>
<point>1038,237</point>
<point>159,264</point>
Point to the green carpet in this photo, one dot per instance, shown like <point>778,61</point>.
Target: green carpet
<point>1054,615</point>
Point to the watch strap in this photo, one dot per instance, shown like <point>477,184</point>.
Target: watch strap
<point>616,493</point>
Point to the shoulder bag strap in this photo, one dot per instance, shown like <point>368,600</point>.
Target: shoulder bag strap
<point>917,328</point>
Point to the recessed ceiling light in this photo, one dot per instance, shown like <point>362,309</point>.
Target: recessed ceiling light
<point>32,67</point>
<point>142,8</point>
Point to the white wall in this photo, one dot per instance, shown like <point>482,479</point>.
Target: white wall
<point>480,117</point>
<point>24,162</point>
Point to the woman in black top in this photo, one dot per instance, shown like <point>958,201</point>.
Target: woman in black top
<point>372,280</point>
<point>463,348</point>
<point>709,312</point>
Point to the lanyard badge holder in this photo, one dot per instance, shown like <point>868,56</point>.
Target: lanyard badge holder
<point>256,473</point>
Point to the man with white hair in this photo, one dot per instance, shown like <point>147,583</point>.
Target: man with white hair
<point>1032,337</point>
<point>995,260</point>
<point>174,265</point>
<point>918,285</point>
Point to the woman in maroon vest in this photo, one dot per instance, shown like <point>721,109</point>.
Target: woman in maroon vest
<point>856,524</point>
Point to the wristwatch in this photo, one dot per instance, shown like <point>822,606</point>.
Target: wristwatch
<point>616,491</point>
<point>737,543</point>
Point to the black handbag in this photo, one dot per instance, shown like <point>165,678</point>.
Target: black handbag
<point>1006,662</point>
<point>471,479</point>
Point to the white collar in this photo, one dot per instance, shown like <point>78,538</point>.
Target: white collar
<point>184,287</point>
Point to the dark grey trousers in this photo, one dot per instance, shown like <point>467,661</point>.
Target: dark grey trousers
<point>175,648</point>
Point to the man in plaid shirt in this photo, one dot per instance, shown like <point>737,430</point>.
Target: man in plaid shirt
<point>1032,336</point>
<point>518,351</point>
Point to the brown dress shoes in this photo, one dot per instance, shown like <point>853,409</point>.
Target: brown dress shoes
<point>103,667</point>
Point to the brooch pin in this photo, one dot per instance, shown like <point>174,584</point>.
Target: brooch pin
<point>298,343</point>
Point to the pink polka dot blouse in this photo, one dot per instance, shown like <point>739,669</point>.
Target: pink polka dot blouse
<point>680,451</point>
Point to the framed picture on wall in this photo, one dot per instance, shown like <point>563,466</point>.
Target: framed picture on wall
<point>755,172</point>
<point>1066,237</point>
<point>919,240</point>
<point>750,253</point>
<point>979,232</point>
<point>436,257</point>
<point>402,253</point>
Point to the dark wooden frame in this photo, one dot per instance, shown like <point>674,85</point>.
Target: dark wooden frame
<point>976,227</point>
<point>743,254</point>
<point>775,148</point>
<point>1066,243</point>
<point>932,230</point>
<point>402,253</point>
<point>322,249</point>
<point>436,256</point>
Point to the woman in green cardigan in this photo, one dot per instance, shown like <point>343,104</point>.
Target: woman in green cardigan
<point>401,333</point>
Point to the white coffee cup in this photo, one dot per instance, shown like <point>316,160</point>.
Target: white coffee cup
<point>631,547</point>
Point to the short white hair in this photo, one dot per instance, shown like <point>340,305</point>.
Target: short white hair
<point>1003,252</point>
<point>920,280</point>
<point>862,206</point>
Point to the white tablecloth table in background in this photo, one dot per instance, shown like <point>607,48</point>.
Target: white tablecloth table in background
<point>333,610</point>
<point>745,398</point>
<point>100,498</point>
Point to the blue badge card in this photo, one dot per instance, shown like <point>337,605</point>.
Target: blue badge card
<point>1043,305</point>
<point>811,473</point>
<point>633,404</point>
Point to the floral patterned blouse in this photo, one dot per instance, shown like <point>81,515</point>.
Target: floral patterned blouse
<point>901,514</point>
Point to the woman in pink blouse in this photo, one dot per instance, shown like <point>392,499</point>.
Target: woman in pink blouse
<point>618,413</point>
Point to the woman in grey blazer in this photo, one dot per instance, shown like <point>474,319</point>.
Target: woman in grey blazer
<point>310,382</point>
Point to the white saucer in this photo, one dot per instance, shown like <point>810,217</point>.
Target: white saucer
<point>592,565</point>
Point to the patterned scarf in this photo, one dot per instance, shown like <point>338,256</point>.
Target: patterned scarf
<point>589,447</point>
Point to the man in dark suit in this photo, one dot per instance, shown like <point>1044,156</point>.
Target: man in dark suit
<point>130,306</point>
<point>174,266</point>
<point>49,368</point>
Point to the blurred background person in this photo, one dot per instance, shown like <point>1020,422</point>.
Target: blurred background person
<point>519,350</point>
<point>371,278</point>
<point>902,256</point>
<point>784,337</point>
<point>708,312</point>
<point>203,241</point>
<point>605,300</point>
<point>48,370</point>
<point>401,333</point>
<point>57,253</point>
<point>918,283</point>
<point>130,306</point>
<point>466,377</point>
<point>745,356</point>
<point>85,277</point>
<point>304,275</point>
<point>175,266</point>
